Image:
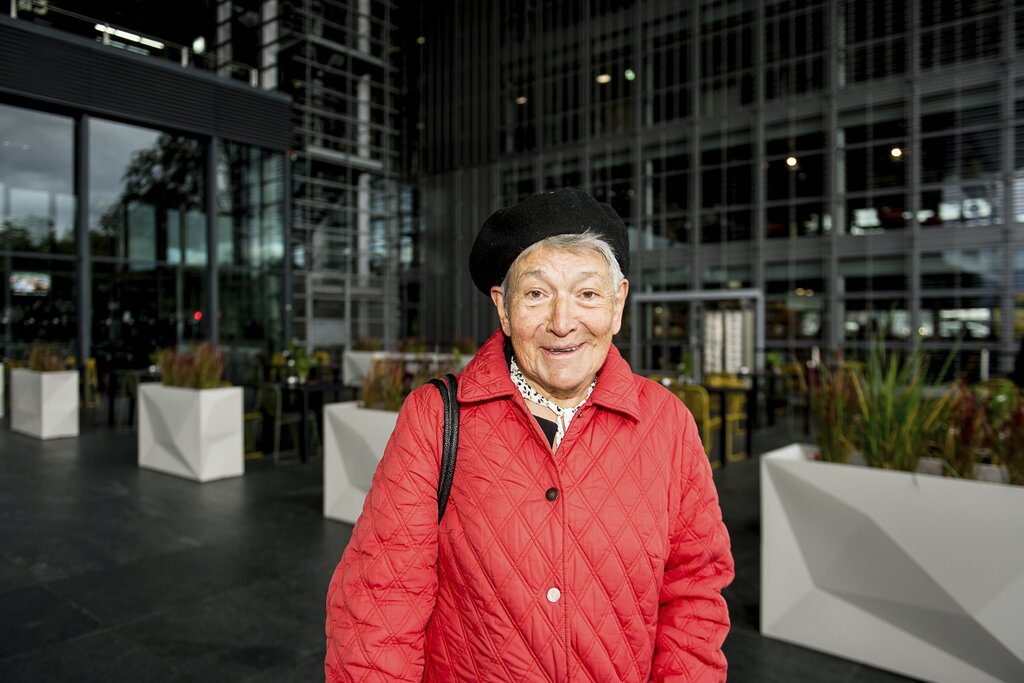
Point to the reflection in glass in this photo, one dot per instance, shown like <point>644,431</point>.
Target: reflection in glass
<point>37,203</point>
<point>961,269</point>
<point>883,273</point>
<point>869,319</point>
<point>140,308</point>
<point>251,311</point>
<point>146,194</point>
<point>39,302</point>
<point>960,318</point>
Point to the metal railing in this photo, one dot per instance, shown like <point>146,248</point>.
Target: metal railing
<point>44,13</point>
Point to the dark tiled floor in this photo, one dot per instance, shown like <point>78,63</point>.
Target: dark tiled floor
<point>112,573</point>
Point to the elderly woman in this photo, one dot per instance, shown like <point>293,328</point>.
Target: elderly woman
<point>583,539</point>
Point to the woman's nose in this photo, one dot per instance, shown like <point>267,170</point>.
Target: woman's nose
<point>562,321</point>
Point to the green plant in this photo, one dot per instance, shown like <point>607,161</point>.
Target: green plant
<point>412,345</point>
<point>300,359</point>
<point>834,411</point>
<point>384,385</point>
<point>464,345</point>
<point>1009,442</point>
<point>199,368</point>
<point>962,431</point>
<point>893,408</point>
<point>367,345</point>
<point>44,358</point>
<point>390,380</point>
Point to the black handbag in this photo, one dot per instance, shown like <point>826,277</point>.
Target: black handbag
<point>450,440</point>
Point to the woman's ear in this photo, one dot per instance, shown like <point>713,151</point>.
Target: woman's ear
<point>620,304</point>
<point>499,304</point>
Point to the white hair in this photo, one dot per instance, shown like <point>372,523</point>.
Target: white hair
<point>571,242</point>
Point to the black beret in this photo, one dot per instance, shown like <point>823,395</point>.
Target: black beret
<point>508,232</point>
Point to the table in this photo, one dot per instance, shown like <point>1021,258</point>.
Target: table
<point>303,390</point>
<point>750,390</point>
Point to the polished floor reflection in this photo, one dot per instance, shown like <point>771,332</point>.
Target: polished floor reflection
<point>112,573</point>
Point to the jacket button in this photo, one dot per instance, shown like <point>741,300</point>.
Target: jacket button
<point>554,595</point>
<point>552,494</point>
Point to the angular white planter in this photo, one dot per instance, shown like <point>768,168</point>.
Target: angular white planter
<point>354,441</point>
<point>44,404</point>
<point>356,364</point>
<point>915,573</point>
<point>191,433</point>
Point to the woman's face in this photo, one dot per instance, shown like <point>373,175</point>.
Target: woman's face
<point>561,318</point>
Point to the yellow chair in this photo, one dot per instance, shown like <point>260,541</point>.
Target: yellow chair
<point>734,413</point>
<point>9,365</point>
<point>697,400</point>
<point>252,424</point>
<point>278,368</point>
<point>91,385</point>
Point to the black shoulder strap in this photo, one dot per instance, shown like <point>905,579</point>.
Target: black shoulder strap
<point>450,441</point>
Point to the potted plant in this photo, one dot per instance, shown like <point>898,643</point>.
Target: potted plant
<point>883,564</point>
<point>356,432</point>
<point>44,395</point>
<point>190,425</point>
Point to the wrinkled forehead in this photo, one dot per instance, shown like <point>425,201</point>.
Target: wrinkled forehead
<point>546,261</point>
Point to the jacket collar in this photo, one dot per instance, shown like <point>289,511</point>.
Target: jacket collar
<point>486,377</point>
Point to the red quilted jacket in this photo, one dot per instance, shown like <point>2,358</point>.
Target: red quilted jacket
<point>615,578</point>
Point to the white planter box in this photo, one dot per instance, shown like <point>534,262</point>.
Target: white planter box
<point>354,441</point>
<point>191,433</point>
<point>915,573</point>
<point>44,404</point>
<point>356,364</point>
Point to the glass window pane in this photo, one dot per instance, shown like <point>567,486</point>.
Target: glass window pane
<point>37,202</point>
<point>962,269</point>
<point>146,194</point>
<point>40,304</point>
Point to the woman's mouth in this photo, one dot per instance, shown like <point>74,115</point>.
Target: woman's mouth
<point>561,350</point>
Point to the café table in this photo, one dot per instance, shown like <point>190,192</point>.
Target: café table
<point>749,389</point>
<point>303,391</point>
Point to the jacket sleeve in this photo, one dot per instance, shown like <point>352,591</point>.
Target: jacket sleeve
<point>693,619</point>
<point>383,590</point>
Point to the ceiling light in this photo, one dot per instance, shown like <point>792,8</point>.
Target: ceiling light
<point>603,78</point>
<point>125,35</point>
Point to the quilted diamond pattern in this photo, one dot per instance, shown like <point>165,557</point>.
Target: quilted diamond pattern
<point>634,543</point>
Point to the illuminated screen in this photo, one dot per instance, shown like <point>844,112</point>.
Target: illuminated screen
<point>30,284</point>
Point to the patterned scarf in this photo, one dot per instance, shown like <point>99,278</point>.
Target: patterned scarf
<point>564,415</point>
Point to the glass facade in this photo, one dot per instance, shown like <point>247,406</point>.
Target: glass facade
<point>858,162</point>
<point>149,228</point>
<point>37,235</point>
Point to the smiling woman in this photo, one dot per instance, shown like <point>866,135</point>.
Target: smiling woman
<point>582,538</point>
<point>560,305</point>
